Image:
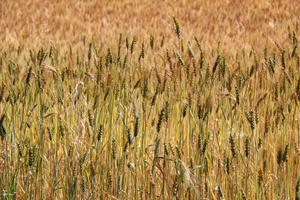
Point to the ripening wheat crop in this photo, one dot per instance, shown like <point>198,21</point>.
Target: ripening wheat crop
<point>151,116</point>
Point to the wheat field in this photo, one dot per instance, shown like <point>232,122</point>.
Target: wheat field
<point>149,99</point>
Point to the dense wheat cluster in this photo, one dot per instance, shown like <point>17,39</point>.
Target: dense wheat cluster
<point>137,100</point>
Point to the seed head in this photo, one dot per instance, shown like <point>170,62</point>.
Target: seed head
<point>176,27</point>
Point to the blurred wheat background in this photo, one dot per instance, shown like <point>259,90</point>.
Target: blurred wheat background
<point>234,23</point>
